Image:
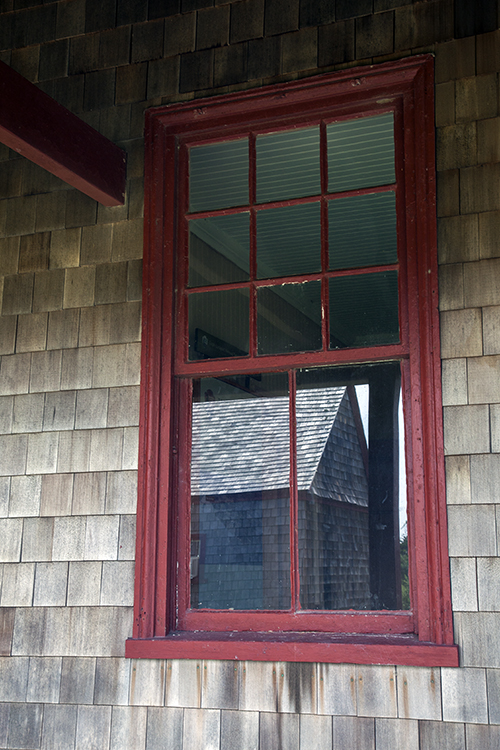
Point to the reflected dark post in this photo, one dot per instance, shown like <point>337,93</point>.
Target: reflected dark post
<point>385,574</point>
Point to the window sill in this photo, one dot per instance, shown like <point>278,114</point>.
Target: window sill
<point>295,647</point>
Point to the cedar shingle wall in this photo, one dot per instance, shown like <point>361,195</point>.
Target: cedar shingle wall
<point>469,251</point>
<point>69,372</point>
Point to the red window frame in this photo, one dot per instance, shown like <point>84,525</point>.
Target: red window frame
<point>163,626</point>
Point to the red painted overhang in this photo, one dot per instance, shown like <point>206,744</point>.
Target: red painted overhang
<point>37,127</point>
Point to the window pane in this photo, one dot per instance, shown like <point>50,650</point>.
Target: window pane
<point>219,249</point>
<point>218,324</point>
<point>218,175</point>
<point>288,165</point>
<point>351,529</point>
<point>240,552</point>
<point>288,241</point>
<point>289,318</point>
<point>362,230</point>
<point>364,310</point>
<point>360,153</point>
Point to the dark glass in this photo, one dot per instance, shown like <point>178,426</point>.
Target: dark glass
<point>364,310</point>
<point>288,241</point>
<point>218,324</point>
<point>240,466</point>
<point>289,318</point>
<point>360,153</point>
<point>362,230</point>
<point>218,175</point>
<point>288,164</point>
<point>219,249</point>
<point>352,499</point>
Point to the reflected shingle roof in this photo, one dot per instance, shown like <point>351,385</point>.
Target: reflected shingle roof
<point>243,445</point>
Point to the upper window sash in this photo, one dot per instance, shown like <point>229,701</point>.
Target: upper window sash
<point>232,267</point>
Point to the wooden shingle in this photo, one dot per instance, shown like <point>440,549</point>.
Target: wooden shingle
<point>84,584</point>
<point>183,683</point>
<point>147,682</point>
<point>464,584</point>
<point>165,727</point>
<point>447,735</point>
<point>93,726</point>
<point>464,695</point>
<point>59,726</point>
<point>44,679</point>
<point>128,728</point>
<point>77,680</point>
<point>353,731</point>
<point>212,28</point>
<point>375,35</point>
<point>112,681</point>
<point>54,57</point>
<point>240,729</point>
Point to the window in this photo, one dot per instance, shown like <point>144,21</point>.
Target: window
<point>291,439</point>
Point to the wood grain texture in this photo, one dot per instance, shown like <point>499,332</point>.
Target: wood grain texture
<point>37,127</point>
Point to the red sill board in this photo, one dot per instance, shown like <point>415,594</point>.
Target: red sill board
<point>405,651</point>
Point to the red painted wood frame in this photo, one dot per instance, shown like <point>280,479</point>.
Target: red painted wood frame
<point>161,627</point>
<point>42,130</point>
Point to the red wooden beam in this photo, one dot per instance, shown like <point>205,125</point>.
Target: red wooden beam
<point>37,127</point>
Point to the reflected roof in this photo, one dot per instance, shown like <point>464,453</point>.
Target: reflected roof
<point>242,446</point>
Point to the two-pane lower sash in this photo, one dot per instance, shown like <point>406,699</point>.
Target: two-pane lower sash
<point>294,502</point>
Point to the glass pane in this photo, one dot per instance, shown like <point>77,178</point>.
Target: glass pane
<point>218,324</point>
<point>362,230</point>
<point>219,249</point>
<point>218,175</point>
<point>352,530</point>
<point>360,153</point>
<point>240,552</point>
<point>364,310</point>
<point>288,241</point>
<point>289,318</point>
<point>288,165</point>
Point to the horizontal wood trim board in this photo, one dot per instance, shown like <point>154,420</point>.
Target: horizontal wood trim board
<point>415,654</point>
<point>42,130</point>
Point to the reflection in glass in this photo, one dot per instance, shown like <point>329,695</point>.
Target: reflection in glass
<point>364,310</point>
<point>349,438</point>
<point>288,241</point>
<point>288,164</point>
<point>240,551</point>
<point>362,230</point>
<point>218,175</point>
<point>289,318</point>
<point>360,153</point>
<point>218,324</point>
<point>219,249</point>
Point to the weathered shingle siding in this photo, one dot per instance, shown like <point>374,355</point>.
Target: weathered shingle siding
<point>69,374</point>
<point>469,209</point>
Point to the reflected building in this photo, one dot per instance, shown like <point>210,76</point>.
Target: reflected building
<point>240,481</point>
